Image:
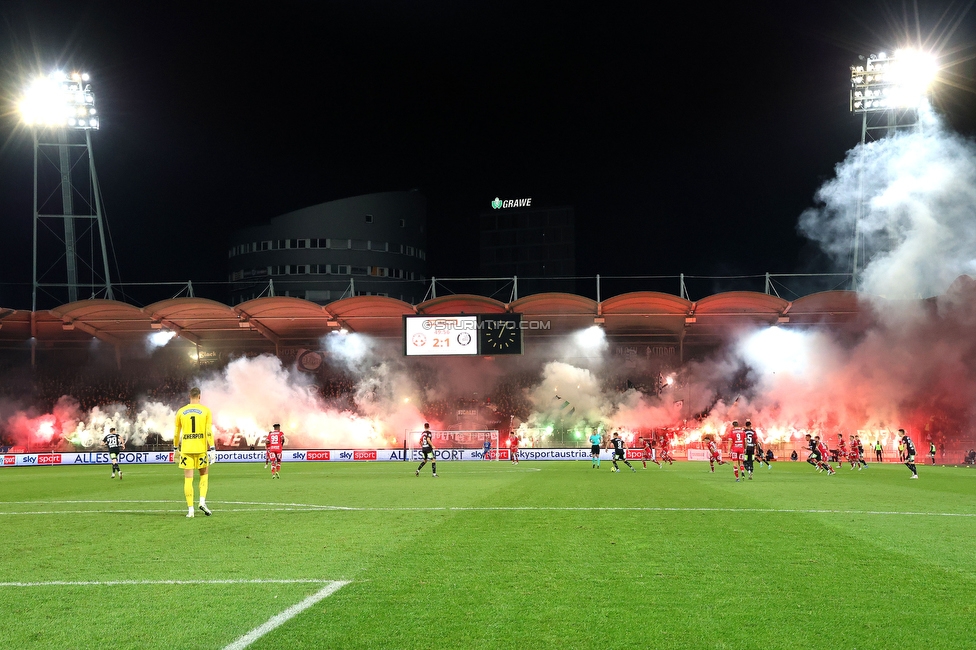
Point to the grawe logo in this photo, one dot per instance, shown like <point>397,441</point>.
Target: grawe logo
<point>498,203</point>
<point>49,459</point>
<point>318,455</point>
<point>364,455</point>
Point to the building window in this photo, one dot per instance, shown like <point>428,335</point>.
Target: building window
<point>359,244</point>
<point>339,244</point>
<point>266,245</point>
<point>403,223</point>
<point>410,251</point>
<point>302,243</point>
<point>369,218</point>
<point>280,244</point>
<point>359,270</point>
<point>323,243</point>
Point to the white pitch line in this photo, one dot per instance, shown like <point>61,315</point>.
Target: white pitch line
<point>115,583</point>
<point>285,616</point>
<point>309,507</point>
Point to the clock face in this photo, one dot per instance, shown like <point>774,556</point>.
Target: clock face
<point>501,336</point>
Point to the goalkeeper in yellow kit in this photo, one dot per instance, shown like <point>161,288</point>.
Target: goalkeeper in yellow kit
<point>194,448</point>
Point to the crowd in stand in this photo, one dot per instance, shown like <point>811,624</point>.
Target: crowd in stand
<point>504,406</point>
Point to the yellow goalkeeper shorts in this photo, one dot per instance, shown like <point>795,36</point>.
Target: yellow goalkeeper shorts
<point>194,461</point>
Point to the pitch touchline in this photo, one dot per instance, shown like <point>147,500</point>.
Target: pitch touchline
<point>115,583</point>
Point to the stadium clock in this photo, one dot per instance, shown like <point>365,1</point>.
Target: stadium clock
<point>501,334</point>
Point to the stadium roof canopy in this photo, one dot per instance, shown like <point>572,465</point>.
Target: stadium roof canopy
<point>292,322</point>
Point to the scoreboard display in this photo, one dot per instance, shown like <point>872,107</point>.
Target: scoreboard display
<point>462,335</point>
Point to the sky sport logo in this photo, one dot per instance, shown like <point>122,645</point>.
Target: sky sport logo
<point>498,203</point>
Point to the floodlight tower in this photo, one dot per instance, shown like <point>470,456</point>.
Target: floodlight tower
<point>60,109</point>
<point>887,92</point>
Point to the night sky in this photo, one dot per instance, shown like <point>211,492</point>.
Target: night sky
<point>689,139</point>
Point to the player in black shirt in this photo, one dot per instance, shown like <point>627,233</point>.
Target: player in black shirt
<point>620,452</point>
<point>427,449</point>
<point>814,457</point>
<point>751,442</point>
<point>909,452</point>
<point>115,446</point>
<point>760,455</point>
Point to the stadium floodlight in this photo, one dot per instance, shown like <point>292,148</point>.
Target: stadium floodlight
<point>884,82</point>
<point>59,100</point>
<point>887,92</point>
<point>59,109</point>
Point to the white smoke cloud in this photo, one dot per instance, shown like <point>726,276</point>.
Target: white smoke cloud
<point>919,210</point>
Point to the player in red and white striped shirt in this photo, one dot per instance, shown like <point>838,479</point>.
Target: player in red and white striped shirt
<point>274,444</point>
<point>713,454</point>
<point>737,449</point>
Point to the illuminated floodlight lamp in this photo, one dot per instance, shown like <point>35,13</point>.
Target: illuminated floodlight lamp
<point>884,82</point>
<point>59,100</point>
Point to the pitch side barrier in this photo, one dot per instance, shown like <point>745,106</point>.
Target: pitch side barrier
<point>314,455</point>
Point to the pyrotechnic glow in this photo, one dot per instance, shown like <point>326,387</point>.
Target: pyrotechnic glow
<point>159,339</point>
<point>775,349</point>
<point>351,348</point>
<point>592,338</point>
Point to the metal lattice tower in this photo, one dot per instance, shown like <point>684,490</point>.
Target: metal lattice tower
<point>886,91</point>
<point>69,235</point>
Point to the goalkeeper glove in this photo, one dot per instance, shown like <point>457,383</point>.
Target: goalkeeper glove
<point>211,456</point>
<point>176,455</point>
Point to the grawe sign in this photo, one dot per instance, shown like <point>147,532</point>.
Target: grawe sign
<point>500,204</point>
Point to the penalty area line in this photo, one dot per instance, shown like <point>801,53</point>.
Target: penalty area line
<point>116,583</point>
<point>285,616</point>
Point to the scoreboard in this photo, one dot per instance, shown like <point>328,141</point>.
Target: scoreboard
<point>462,335</point>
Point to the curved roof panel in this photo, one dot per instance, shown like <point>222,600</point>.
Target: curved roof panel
<point>109,320</point>
<point>646,303</point>
<point>202,321</point>
<point>829,307</point>
<point>461,303</point>
<point>556,312</point>
<point>284,319</point>
<point>549,304</point>
<point>15,325</point>
<point>644,312</point>
<point>740,303</point>
<point>376,315</point>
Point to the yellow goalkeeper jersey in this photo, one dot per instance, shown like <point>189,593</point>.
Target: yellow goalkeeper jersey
<point>193,432</point>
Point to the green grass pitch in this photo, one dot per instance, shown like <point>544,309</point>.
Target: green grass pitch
<point>490,555</point>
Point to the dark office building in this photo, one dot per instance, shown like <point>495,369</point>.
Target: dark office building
<point>536,244</point>
<point>373,244</point>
